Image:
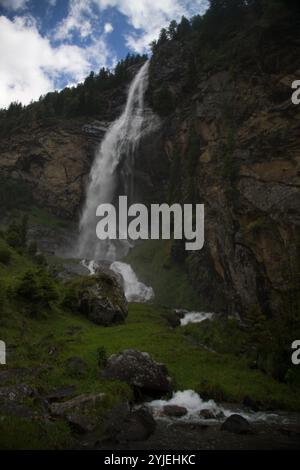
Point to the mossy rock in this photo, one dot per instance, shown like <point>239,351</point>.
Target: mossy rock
<point>99,297</point>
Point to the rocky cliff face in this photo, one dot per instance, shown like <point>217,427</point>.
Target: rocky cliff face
<point>233,144</point>
<point>53,160</point>
<point>229,139</point>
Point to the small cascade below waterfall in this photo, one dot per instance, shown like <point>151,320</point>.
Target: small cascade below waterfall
<point>135,291</point>
<point>113,170</point>
<point>195,317</point>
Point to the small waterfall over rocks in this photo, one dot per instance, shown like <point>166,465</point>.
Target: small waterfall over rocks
<point>112,170</point>
<point>135,291</point>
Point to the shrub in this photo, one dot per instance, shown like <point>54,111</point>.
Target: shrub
<point>3,298</point>
<point>101,357</point>
<point>70,299</point>
<point>5,255</point>
<point>37,288</point>
<point>32,248</point>
<point>16,234</point>
<point>14,194</point>
<point>40,259</point>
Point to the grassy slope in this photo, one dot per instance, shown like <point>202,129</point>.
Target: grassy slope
<point>153,264</point>
<point>224,377</point>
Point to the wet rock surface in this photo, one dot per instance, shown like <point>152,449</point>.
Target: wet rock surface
<point>174,411</point>
<point>210,414</point>
<point>236,424</point>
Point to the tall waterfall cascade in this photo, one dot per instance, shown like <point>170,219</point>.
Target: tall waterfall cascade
<point>113,172</point>
<point>113,168</point>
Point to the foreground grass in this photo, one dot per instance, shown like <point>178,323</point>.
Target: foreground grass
<point>220,376</point>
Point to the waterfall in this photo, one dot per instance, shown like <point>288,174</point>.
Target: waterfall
<point>112,170</point>
<point>135,291</point>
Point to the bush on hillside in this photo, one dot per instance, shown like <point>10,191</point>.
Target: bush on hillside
<point>5,255</point>
<point>37,288</point>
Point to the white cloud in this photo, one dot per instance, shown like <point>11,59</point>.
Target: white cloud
<point>52,2</point>
<point>150,16</point>
<point>78,20</point>
<point>13,4</point>
<point>108,28</point>
<point>147,17</point>
<point>30,65</point>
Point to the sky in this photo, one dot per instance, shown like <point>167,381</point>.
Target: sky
<point>49,44</point>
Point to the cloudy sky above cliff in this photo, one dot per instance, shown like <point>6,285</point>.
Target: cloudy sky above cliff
<point>49,44</point>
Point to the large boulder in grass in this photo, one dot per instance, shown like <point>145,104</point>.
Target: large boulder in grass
<point>140,371</point>
<point>123,424</point>
<point>99,297</point>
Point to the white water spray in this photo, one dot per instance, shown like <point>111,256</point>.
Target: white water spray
<point>135,291</point>
<point>195,317</point>
<point>194,404</point>
<point>120,141</point>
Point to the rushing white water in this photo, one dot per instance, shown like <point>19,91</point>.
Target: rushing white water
<point>106,177</point>
<point>194,405</point>
<point>91,265</point>
<point>195,317</point>
<point>135,291</point>
<point>189,400</point>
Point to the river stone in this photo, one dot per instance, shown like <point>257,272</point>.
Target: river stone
<point>174,411</point>
<point>210,414</point>
<point>100,298</point>
<point>140,371</point>
<point>236,424</point>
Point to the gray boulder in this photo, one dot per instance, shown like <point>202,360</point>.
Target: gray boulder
<point>82,404</point>
<point>140,371</point>
<point>236,424</point>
